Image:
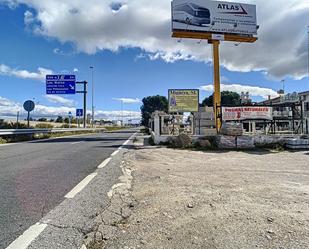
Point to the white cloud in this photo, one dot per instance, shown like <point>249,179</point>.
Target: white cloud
<point>60,100</point>
<point>281,49</point>
<point>117,115</point>
<point>128,100</point>
<point>9,108</point>
<point>253,90</point>
<point>24,74</point>
<point>75,70</point>
<point>224,78</point>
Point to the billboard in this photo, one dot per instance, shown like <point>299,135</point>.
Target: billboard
<point>247,112</point>
<point>214,17</point>
<point>183,100</point>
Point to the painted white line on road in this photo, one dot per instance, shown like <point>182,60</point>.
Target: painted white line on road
<point>126,142</point>
<point>77,142</point>
<point>105,162</point>
<point>24,240</point>
<point>115,153</point>
<point>79,187</point>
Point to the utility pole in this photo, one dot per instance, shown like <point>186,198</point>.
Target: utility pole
<point>283,86</point>
<point>121,112</point>
<point>17,120</point>
<point>92,93</point>
<point>85,99</point>
<point>308,49</point>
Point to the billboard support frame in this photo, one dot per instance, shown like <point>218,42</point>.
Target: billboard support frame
<point>217,91</point>
<point>208,36</point>
<point>214,38</point>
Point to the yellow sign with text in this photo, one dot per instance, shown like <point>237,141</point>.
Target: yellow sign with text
<point>183,100</point>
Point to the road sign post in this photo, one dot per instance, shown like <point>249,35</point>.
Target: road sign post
<point>29,107</point>
<point>85,100</point>
<point>70,119</point>
<point>79,113</point>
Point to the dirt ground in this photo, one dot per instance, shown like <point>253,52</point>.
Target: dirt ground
<point>186,199</point>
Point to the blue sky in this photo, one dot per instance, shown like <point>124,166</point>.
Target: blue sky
<point>129,69</point>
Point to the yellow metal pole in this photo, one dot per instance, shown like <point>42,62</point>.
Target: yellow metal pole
<point>217,91</point>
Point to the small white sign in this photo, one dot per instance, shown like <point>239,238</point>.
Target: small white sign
<point>217,37</point>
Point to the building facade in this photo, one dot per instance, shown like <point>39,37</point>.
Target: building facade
<point>305,101</point>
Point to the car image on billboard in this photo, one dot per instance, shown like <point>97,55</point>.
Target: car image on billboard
<point>191,14</point>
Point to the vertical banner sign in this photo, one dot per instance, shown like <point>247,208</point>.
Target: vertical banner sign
<point>247,113</point>
<point>183,100</point>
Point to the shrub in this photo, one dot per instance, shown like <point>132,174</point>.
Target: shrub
<point>182,141</point>
<point>2,140</point>
<point>44,126</point>
<point>203,144</point>
<point>151,142</point>
<point>12,125</point>
<point>67,126</point>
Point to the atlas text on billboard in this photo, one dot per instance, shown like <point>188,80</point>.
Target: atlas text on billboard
<point>60,84</point>
<point>183,100</point>
<point>247,113</point>
<point>214,17</point>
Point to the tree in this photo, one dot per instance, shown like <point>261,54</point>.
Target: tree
<point>227,98</point>
<point>152,104</point>
<point>66,120</point>
<point>59,119</point>
<point>42,119</point>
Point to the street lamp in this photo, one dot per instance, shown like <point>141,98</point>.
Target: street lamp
<point>92,96</point>
<point>283,81</point>
<point>122,113</point>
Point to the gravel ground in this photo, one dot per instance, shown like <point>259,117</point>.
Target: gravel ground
<point>186,199</point>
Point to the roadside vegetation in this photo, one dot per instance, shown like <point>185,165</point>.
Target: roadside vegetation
<point>11,125</point>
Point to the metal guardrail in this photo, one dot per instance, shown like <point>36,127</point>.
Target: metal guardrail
<point>8,132</point>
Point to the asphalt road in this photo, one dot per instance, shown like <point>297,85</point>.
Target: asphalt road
<point>35,176</point>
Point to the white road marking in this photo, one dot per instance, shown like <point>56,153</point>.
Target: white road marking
<point>105,162</point>
<point>76,142</point>
<point>24,240</point>
<point>115,153</point>
<point>79,187</point>
<point>126,142</point>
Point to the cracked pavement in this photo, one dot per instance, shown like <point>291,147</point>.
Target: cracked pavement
<point>186,199</point>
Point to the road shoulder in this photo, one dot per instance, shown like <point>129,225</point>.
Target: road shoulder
<point>186,199</point>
